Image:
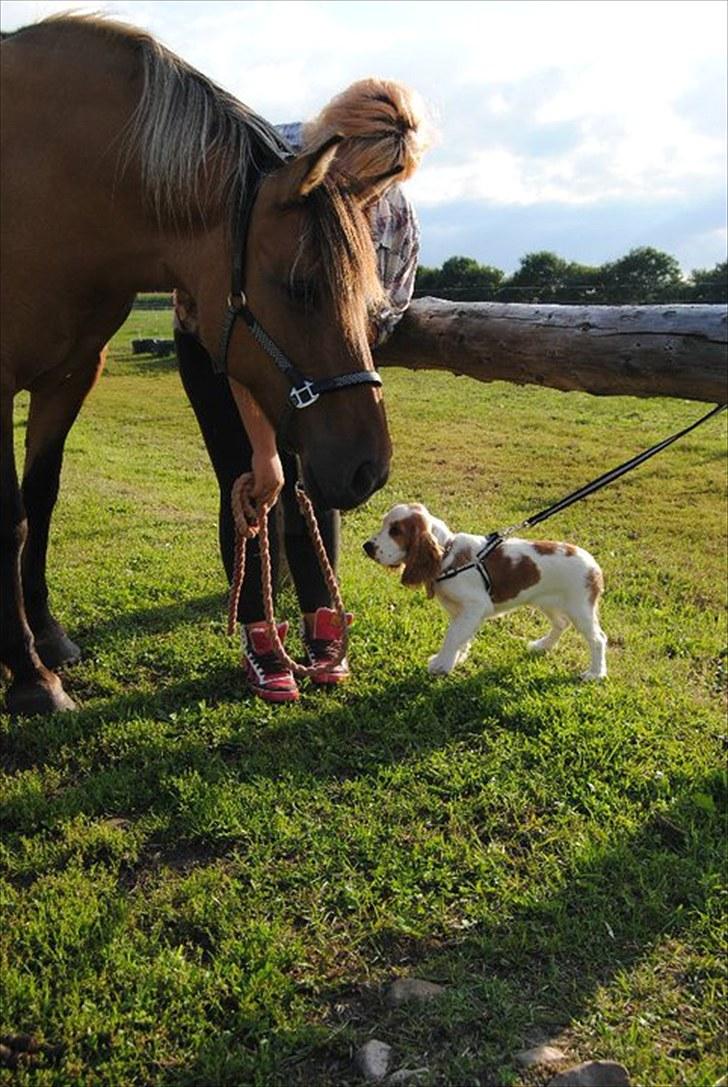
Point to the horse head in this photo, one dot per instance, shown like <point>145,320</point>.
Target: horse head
<point>311,281</point>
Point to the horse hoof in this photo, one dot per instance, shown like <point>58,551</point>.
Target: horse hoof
<point>57,650</point>
<point>30,699</point>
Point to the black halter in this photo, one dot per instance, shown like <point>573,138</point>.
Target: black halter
<point>304,391</point>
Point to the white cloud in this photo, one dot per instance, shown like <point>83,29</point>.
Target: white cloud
<point>537,100</point>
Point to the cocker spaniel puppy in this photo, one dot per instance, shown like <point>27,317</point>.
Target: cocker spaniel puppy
<point>477,578</point>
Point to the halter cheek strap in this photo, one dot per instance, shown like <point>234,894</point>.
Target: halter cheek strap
<point>304,391</point>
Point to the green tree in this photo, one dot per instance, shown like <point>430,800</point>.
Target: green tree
<point>426,278</point>
<point>709,284</point>
<point>644,275</point>
<point>582,283</point>
<point>539,278</point>
<point>461,277</point>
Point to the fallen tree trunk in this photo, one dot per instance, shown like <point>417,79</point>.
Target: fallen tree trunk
<point>679,351</point>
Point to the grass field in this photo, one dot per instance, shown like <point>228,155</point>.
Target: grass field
<point>198,889</point>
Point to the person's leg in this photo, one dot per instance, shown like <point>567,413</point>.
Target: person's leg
<point>321,625</point>
<point>308,578</point>
<point>230,454</point>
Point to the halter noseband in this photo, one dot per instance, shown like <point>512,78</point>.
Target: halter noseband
<point>304,391</point>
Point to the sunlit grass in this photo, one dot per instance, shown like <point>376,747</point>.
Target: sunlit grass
<point>200,889</point>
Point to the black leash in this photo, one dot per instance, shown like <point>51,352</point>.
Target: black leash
<point>609,477</point>
<point>496,538</point>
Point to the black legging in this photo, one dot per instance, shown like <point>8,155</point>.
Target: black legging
<point>231,454</point>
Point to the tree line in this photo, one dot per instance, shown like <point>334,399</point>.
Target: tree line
<point>643,276</point>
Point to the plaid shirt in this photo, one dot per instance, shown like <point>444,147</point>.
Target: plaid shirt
<point>396,236</point>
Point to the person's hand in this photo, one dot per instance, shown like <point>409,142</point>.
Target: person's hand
<point>267,478</point>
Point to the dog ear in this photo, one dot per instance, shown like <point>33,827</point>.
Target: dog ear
<point>424,554</point>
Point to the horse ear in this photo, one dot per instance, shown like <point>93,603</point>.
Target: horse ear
<point>308,171</point>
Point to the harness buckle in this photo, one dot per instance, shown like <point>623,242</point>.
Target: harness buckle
<point>303,396</point>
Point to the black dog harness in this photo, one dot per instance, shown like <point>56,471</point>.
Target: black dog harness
<point>491,543</point>
<point>304,391</point>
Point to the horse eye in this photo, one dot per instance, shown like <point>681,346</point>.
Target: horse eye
<point>302,292</point>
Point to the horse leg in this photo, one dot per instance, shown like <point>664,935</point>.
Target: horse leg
<point>50,418</point>
<point>34,688</point>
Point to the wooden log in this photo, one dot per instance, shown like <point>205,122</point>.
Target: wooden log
<point>679,351</point>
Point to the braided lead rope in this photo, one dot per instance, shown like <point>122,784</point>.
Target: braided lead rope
<point>246,526</point>
<point>242,510</point>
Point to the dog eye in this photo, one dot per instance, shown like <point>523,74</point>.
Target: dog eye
<point>395,529</point>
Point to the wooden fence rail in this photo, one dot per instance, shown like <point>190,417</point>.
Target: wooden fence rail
<point>679,351</point>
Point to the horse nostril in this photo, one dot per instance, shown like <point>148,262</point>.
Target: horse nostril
<point>369,548</point>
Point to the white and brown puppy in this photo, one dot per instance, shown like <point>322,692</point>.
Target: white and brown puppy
<point>562,580</point>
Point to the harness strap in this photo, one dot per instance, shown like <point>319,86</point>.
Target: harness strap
<point>304,392</point>
<point>492,541</point>
<point>236,298</point>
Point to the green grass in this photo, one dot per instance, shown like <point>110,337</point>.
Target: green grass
<point>200,889</point>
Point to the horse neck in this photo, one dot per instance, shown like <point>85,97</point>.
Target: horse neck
<point>104,224</point>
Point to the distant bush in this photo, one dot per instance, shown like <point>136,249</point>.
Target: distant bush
<point>643,276</point>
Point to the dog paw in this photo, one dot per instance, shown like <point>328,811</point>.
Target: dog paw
<point>592,677</point>
<point>437,667</point>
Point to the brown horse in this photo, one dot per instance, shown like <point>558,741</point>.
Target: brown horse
<point>124,169</point>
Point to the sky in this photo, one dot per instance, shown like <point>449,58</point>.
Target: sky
<point>580,126</point>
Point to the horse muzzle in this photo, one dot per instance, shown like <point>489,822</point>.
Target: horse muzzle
<point>333,485</point>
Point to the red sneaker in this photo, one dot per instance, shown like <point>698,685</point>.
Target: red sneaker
<point>266,676</point>
<point>322,644</point>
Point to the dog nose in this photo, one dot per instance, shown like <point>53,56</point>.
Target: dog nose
<point>371,548</point>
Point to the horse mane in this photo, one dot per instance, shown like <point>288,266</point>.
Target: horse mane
<point>196,143</point>
<point>198,146</point>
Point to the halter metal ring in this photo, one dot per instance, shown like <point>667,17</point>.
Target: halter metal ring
<point>237,301</point>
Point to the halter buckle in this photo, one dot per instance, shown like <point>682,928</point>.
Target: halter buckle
<point>303,396</point>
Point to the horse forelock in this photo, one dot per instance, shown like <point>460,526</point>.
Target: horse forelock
<point>338,245</point>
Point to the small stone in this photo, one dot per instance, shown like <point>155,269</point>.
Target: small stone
<point>412,990</point>
<point>540,1054</point>
<point>373,1059</point>
<point>593,1074</point>
<point>407,1075</point>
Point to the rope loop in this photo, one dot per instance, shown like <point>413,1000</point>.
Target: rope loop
<point>250,522</point>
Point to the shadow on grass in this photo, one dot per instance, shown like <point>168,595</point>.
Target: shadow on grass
<point>326,735</point>
<point>536,969</point>
<point>526,977</point>
<point>162,619</point>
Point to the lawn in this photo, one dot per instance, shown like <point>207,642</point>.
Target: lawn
<point>199,889</point>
